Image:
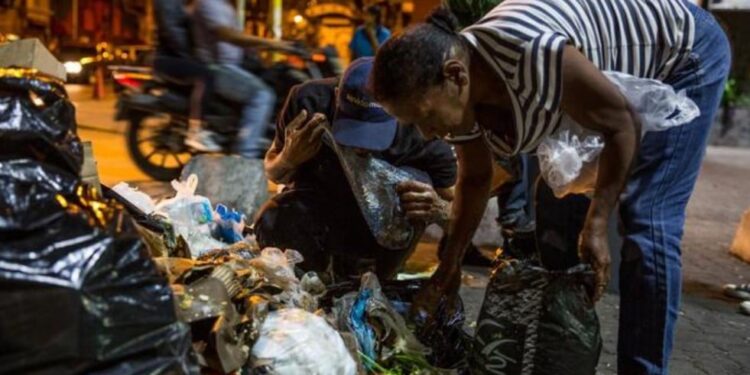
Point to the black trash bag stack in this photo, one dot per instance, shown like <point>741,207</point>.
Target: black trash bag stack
<point>537,317</point>
<point>78,292</point>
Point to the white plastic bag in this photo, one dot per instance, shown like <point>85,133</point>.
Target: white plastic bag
<point>191,215</point>
<point>293,341</point>
<point>568,159</point>
<point>138,198</point>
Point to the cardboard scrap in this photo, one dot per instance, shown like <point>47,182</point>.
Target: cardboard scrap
<point>31,54</point>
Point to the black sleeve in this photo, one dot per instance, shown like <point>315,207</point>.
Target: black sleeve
<point>171,23</point>
<point>435,157</point>
<point>440,163</point>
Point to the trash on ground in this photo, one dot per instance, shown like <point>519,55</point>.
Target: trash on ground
<point>294,341</point>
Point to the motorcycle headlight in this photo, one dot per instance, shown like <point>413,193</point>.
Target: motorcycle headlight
<point>73,67</point>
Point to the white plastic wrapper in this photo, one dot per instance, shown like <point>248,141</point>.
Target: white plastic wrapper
<point>191,215</point>
<point>136,197</point>
<point>569,158</point>
<point>293,341</point>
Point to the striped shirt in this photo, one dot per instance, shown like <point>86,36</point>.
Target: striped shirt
<point>523,41</point>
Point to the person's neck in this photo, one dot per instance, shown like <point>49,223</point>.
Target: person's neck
<point>486,87</point>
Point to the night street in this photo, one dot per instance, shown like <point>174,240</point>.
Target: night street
<point>712,337</point>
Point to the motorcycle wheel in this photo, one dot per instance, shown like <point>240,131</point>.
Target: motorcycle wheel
<point>157,145</point>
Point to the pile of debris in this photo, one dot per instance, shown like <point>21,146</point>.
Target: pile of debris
<point>253,310</point>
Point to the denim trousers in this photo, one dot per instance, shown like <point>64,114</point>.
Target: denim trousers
<point>239,85</point>
<point>652,208</point>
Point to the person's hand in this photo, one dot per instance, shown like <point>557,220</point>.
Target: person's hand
<point>421,203</point>
<point>593,248</point>
<point>442,286</point>
<point>302,138</point>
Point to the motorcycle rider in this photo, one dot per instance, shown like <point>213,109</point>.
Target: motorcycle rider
<point>176,62</point>
<point>220,42</point>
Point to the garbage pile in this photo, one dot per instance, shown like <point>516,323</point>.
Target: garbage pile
<point>252,310</point>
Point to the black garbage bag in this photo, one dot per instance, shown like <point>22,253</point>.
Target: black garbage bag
<point>78,291</point>
<point>537,317</point>
<point>38,121</point>
<point>535,321</point>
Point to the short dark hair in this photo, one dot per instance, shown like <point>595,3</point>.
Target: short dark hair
<point>413,61</point>
<point>374,10</point>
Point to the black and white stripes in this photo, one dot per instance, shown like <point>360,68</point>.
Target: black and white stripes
<point>523,41</point>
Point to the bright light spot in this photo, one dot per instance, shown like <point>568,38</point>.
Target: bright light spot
<point>73,67</point>
<point>11,37</point>
<point>298,18</point>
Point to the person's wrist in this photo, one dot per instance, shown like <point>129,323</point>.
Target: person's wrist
<point>595,225</point>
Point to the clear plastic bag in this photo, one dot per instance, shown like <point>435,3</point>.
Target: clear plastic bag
<point>293,341</point>
<point>191,216</point>
<point>658,105</point>
<point>568,159</point>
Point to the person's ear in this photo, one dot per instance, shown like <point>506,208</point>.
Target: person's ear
<point>455,71</point>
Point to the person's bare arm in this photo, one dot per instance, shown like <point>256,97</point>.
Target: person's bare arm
<point>233,36</point>
<point>472,193</point>
<point>595,103</point>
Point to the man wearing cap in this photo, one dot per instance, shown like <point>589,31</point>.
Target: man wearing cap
<point>317,213</point>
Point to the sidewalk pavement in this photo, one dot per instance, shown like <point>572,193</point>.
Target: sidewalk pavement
<point>95,114</point>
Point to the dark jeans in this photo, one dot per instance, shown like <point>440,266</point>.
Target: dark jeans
<point>653,205</point>
<point>513,197</point>
<point>326,233</point>
<point>190,73</point>
<point>257,100</point>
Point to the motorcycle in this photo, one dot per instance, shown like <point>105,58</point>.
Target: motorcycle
<point>157,110</point>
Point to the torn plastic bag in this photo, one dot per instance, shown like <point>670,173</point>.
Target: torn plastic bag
<point>293,341</point>
<point>568,159</point>
<point>78,291</point>
<point>373,182</point>
<point>444,337</point>
<point>38,121</point>
<point>537,322</point>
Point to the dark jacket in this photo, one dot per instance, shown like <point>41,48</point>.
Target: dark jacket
<point>173,29</point>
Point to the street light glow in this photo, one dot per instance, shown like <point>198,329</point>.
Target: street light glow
<point>73,67</point>
<point>298,19</point>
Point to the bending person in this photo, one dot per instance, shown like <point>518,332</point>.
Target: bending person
<point>501,85</point>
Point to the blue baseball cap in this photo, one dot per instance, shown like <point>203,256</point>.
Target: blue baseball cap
<point>360,121</point>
